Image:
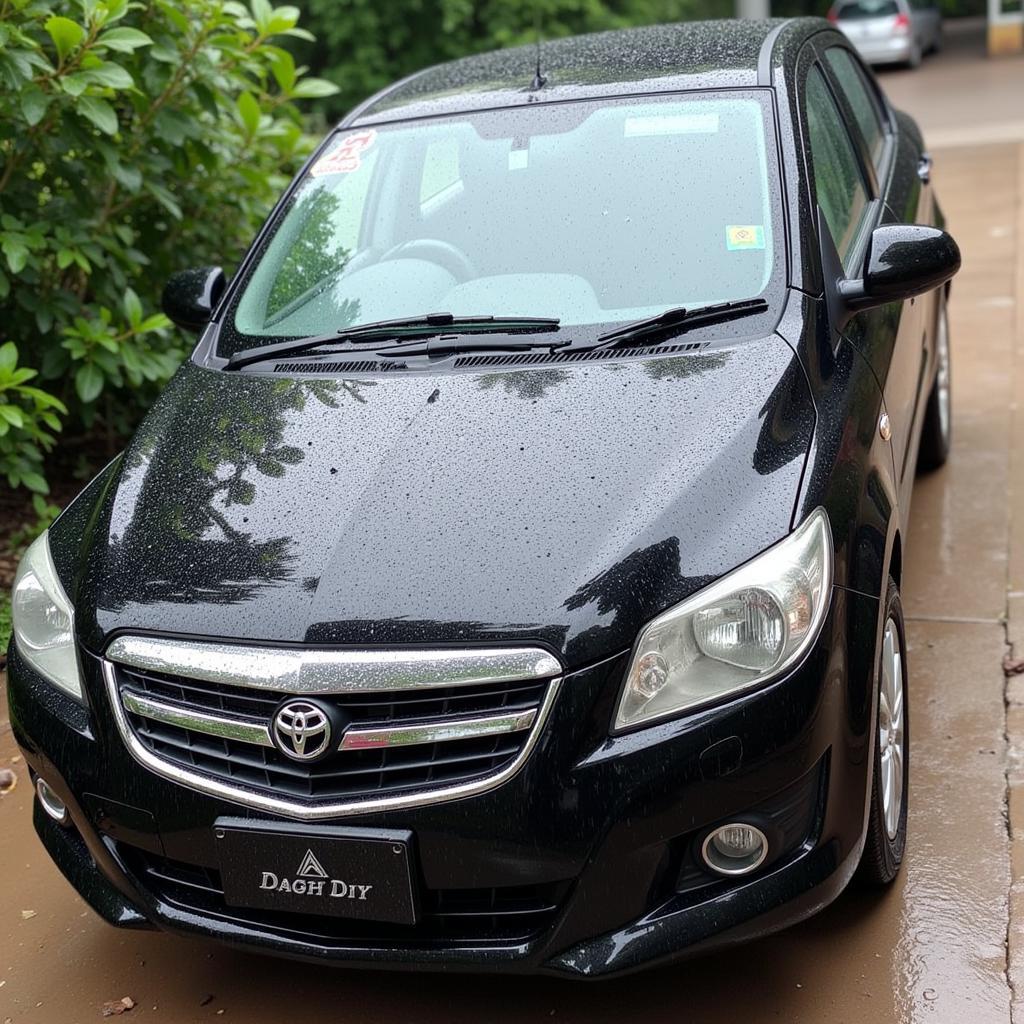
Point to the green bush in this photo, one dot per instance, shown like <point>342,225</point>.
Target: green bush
<point>362,45</point>
<point>135,139</point>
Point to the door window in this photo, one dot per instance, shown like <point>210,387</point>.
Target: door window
<point>838,178</point>
<point>858,95</point>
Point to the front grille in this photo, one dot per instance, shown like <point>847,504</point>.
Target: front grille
<point>346,774</point>
<point>505,914</point>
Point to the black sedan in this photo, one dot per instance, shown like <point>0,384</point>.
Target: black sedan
<point>511,578</point>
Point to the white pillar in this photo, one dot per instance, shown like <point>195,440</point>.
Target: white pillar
<point>1005,27</point>
<point>753,8</point>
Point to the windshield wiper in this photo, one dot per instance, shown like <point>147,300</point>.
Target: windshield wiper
<point>431,324</point>
<point>456,345</point>
<point>680,319</point>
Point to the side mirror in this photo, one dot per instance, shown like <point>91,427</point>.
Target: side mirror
<point>190,296</point>
<point>903,260</point>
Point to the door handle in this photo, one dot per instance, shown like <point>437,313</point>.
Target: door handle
<point>924,168</point>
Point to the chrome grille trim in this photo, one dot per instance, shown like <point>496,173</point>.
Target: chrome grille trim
<point>438,732</point>
<point>197,721</point>
<point>496,660</point>
<point>353,739</point>
<point>306,672</point>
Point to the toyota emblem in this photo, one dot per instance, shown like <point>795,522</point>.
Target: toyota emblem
<point>301,730</point>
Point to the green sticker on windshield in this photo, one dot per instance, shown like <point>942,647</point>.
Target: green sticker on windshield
<point>744,236</point>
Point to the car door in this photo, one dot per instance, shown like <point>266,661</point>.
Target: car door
<point>894,338</point>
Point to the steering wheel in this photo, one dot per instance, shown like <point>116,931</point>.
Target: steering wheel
<point>434,250</point>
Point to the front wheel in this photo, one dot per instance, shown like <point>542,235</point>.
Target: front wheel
<point>887,816</point>
<point>936,431</point>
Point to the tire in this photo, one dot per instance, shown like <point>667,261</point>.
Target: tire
<point>937,429</point>
<point>887,824</point>
<point>914,60</point>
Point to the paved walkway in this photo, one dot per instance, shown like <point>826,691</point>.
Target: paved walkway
<point>946,944</point>
<point>960,97</point>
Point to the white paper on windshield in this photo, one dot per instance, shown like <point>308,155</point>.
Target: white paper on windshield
<point>671,124</point>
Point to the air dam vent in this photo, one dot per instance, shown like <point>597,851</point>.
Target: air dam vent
<point>537,358</point>
<point>364,366</point>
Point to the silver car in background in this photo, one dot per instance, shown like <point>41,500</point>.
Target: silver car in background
<point>890,31</point>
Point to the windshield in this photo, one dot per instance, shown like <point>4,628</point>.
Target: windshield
<point>591,213</point>
<point>862,9</point>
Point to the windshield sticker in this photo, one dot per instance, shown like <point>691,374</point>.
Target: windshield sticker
<point>744,236</point>
<point>518,159</point>
<point>671,124</point>
<point>346,157</point>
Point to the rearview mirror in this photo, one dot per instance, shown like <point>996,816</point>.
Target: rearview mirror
<point>190,296</point>
<point>903,260</point>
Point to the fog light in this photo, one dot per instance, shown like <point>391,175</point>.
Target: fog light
<point>51,803</point>
<point>735,849</point>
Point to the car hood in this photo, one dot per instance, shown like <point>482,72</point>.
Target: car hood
<point>564,503</point>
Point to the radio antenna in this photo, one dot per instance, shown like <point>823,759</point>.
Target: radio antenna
<point>538,79</point>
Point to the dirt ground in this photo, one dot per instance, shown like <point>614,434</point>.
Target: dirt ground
<point>943,945</point>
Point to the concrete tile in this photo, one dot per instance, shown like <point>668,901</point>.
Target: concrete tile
<point>957,556</point>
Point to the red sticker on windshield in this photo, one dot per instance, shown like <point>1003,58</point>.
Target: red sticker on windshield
<point>347,156</point>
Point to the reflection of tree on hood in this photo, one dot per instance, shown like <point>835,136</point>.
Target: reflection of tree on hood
<point>634,590</point>
<point>678,367</point>
<point>533,384</point>
<point>180,544</point>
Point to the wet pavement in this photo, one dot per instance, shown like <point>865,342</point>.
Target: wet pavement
<point>945,944</point>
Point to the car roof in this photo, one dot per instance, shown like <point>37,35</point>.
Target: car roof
<point>654,58</point>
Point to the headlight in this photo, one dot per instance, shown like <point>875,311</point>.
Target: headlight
<point>743,630</point>
<point>43,619</point>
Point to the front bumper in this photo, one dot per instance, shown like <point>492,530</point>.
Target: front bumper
<point>601,831</point>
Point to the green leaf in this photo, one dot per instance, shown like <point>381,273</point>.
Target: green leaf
<point>74,85</point>
<point>282,66</point>
<point>130,177</point>
<point>45,400</point>
<point>88,382</point>
<point>282,19</point>
<point>65,33</point>
<point>314,88</point>
<point>99,112</point>
<point>8,357</point>
<point>132,308</point>
<point>262,14</point>
<point>174,16</point>
<point>124,40</point>
<point>248,112</point>
<point>108,75</point>
<point>164,198</point>
<point>16,252</point>
<point>156,322</point>
<point>13,415</point>
<point>35,482</point>
<point>33,104</point>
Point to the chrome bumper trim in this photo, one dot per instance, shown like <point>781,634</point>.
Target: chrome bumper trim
<point>258,734</point>
<point>294,670</point>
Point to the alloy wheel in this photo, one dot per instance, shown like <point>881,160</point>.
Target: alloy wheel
<point>891,728</point>
<point>942,375</point>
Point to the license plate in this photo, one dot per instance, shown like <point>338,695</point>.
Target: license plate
<point>358,873</point>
